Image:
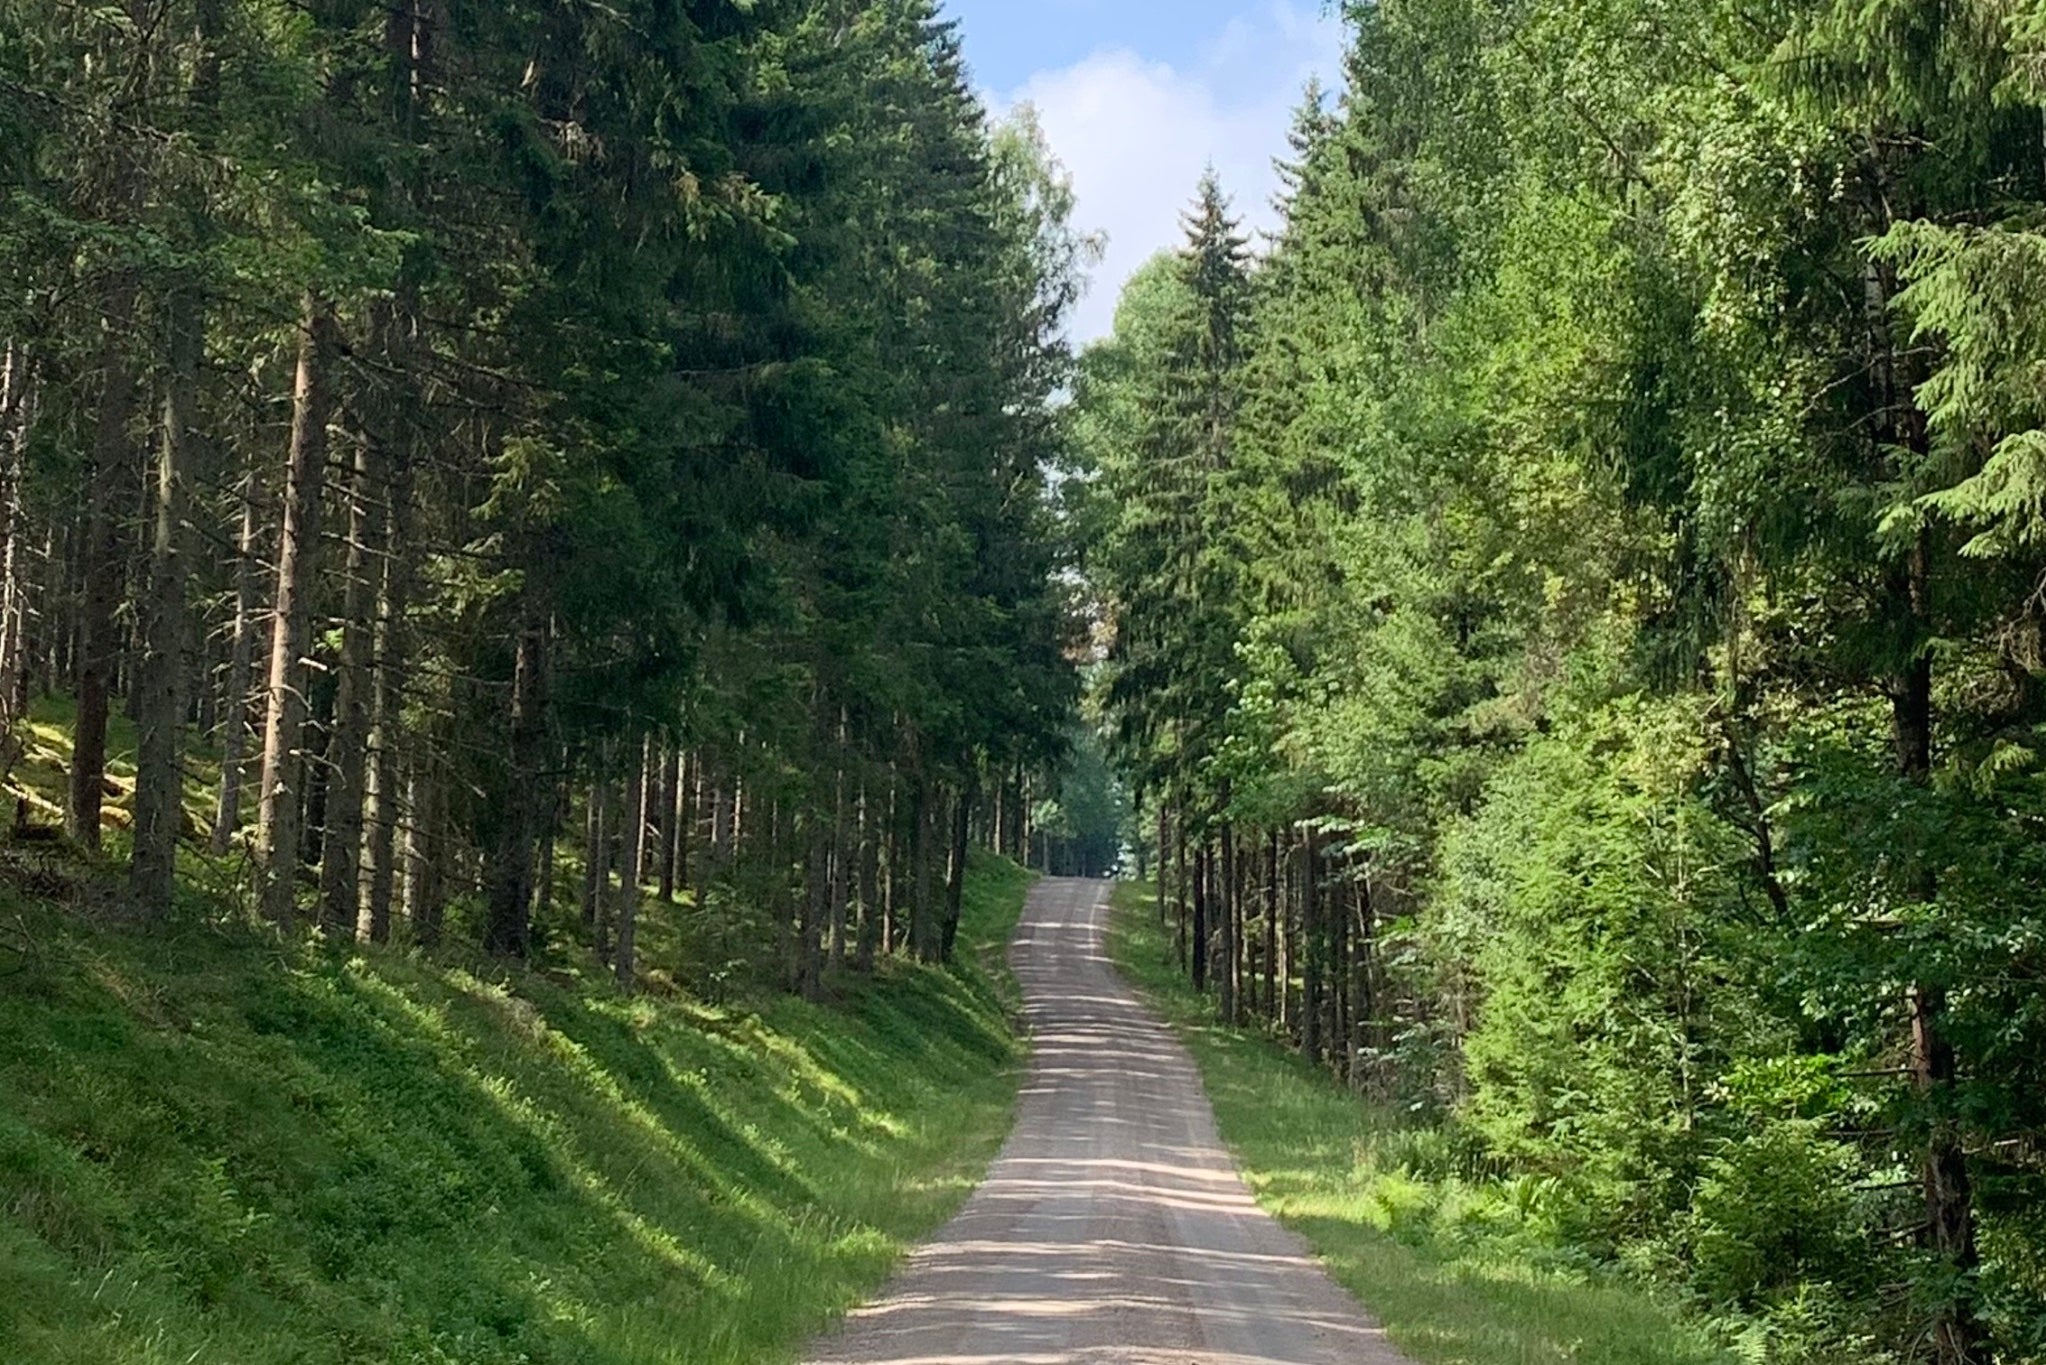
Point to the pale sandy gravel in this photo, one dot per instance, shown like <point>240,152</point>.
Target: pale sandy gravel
<point>1113,1227</point>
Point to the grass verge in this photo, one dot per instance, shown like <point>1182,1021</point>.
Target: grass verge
<point>213,1148</point>
<point>1451,1276</point>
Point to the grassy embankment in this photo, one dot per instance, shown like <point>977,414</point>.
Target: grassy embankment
<point>217,1148</point>
<point>1452,1269</point>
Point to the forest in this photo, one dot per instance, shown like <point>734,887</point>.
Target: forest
<point>527,583</point>
<point>531,529</point>
<point>474,447</point>
<point>1575,618</point>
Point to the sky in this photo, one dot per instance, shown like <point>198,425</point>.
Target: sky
<point>1137,96</point>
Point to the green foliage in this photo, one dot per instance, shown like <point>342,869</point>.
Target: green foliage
<point>1978,292</point>
<point>1462,1267</point>
<point>1632,608</point>
<point>1163,451</point>
<point>1084,829</point>
<point>1595,897</point>
<point>1775,1212</point>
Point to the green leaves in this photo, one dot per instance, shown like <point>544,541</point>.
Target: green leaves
<point>1980,295</point>
<point>1636,493</point>
<point>1160,408</point>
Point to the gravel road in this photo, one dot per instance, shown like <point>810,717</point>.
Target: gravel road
<point>1113,1227</point>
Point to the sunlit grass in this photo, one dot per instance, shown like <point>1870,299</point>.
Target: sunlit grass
<point>213,1149</point>
<point>46,756</point>
<point>1450,1271</point>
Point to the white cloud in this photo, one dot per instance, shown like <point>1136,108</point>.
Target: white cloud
<point>1136,134</point>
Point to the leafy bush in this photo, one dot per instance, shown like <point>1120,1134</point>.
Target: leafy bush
<point>1775,1213</point>
<point>1591,894</point>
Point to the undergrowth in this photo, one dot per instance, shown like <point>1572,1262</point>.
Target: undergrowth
<point>1463,1266</point>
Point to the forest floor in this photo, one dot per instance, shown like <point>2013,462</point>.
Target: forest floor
<point>214,1147</point>
<point>1449,1268</point>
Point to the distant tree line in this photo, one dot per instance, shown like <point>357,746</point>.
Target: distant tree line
<point>1082,827</point>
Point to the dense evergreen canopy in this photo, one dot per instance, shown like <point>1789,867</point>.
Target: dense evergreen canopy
<point>1578,634</point>
<point>469,422</point>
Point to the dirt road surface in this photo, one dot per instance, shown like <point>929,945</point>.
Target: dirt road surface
<point>1113,1228</point>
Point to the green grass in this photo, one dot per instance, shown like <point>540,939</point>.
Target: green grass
<point>1451,1270</point>
<point>213,1148</point>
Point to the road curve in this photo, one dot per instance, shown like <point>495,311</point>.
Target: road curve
<point>1113,1227</point>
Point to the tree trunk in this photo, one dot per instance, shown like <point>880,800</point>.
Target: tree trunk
<point>841,878</point>
<point>1271,962</point>
<point>509,927</point>
<point>900,840</point>
<point>1248,854</point>
<point>348,740</point>
<point>871,914</point>
<point>68,599</point>
<point>1290,951</point>
<point>425,882</point>
<point>712,798</point>
<point>607,862</point>
<point>16,650</point>
<point>159,768</point>
<point>100,561</point>
<point>234,729</point>
<point>1363,998</point>
<point>1337,917</point>
<point>688,810</point>
<point>277,828</point>
<point>625,961</point>
<point>1023,818</point>
<point>1164,843</point>
<point>319,725</point>
<point>407,37</point>
<point>1000,816</point>
<point>788,897</point>
<point>670,822</point>
<point>17,417</point>
<point>1179,885</point>
<point>924,929</point>
<point>1312,950</point>
<point>955,874</point>
<point>380,846</point>
<point>815,907</point>
<point>643,857</point>
<point>725,827</point>
<point>1231,928</point>
<point>594,835</point>
<point>1949,1230</point>
<point>380,781</point>
<point>1019,818</point>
